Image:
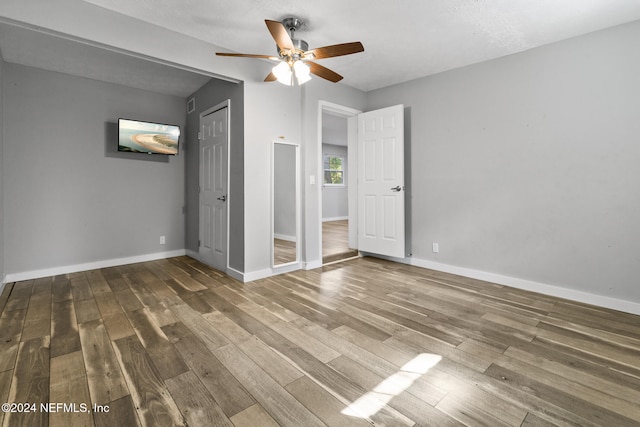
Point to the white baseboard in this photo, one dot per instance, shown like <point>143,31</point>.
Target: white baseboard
<point>335,218</point>
<point>528,285</point>
<point>284,237</point>
<point>256,275</point>
<point>54,271</point>
<point>310,265</point>
<point>235,274</point>
<point>3,281</point>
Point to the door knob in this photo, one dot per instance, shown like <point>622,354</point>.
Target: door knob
<point>223,198</point>
<point>397,188</point>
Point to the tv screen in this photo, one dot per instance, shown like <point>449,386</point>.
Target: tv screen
<point>145,137</point>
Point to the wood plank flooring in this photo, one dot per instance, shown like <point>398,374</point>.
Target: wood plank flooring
<point>362,342</point>
<point>284,251</point>
<point>335,241</point>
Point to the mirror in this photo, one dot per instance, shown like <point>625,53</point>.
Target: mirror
<point>285,190</point>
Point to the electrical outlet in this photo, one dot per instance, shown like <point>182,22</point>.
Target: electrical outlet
<point>312,179</point>
<point>436,248</point>
<point>162,240</point>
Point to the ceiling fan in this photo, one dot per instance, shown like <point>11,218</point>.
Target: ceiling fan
<point>294,58</point>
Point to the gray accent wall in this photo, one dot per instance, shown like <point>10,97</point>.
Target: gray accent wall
<point>527,166</point>
<point>210,95</point>
<point>70,197</point>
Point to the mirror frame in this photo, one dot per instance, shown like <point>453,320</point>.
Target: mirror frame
<point>295,264</point>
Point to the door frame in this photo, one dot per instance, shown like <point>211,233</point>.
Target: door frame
<point>224,104</point>
<point>352,167</point>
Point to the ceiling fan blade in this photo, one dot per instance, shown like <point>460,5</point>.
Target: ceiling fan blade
<point>335,50</point>
<point>280,35</point>
<point>246,55</point>
<point>270,78</point>
<point>324,72</point>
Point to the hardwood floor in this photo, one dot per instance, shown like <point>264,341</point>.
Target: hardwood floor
<point>335,241</point>
<point>363,342</point>
<point>284,251</point>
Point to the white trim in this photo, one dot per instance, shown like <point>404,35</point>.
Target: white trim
<point>285,268</point>
<point>285,237</point>
<point>2,282</point>
<point>54,271</point>
<point>235,274</point>
<point>528,285</point>
<point>335,218</point>
<point>256,275</point>
<point>310,265</point>
<point>346,112</point>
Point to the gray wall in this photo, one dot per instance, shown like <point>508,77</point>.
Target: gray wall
<point>70,197</point>
<point>527,166</point>
<point>334,199</point>
<point>2,178</point>
<point>284,190</point>
<point>210,95</point>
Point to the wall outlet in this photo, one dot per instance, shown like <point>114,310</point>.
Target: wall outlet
<point>312,179</point>
<point>436,248</point>
<point>163,240</point>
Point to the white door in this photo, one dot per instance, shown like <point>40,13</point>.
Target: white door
<point>381,181</point>
<point>213,188</point>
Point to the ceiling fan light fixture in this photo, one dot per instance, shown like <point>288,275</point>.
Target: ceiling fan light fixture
<point>283,73</point>
<point>302,72</point>
<point>295,57</point>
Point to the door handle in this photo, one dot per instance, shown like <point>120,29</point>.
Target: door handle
<point>223,198</point>
<point>397,188</point>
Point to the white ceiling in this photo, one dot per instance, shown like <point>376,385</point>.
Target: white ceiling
<point>403,40</point>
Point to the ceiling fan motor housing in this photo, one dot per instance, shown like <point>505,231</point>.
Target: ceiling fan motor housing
<point>293,24</point>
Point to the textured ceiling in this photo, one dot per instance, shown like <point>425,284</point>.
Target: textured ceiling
<point>403,40</point>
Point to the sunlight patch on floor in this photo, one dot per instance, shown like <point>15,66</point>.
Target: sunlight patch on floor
<point>374,400</point>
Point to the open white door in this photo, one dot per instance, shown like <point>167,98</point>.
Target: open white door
<point>213,188</point>
<point>381,181</point>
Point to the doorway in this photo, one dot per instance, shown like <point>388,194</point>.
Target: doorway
<point>336,197</point>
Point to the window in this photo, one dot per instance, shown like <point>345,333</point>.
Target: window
<point>333,170</point>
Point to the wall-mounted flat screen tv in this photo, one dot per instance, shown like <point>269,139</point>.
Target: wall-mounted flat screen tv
<point>136,136</point>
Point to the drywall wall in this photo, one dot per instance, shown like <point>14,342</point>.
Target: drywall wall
<point>210,95</point>
<point>334,199</point>
<point>315,91</point>
<point>527,166</point>
<point>2,179</point>
<point>272,113</point>
<point>70,197</point>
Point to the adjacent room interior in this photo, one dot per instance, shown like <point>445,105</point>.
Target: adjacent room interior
<point>249,275</point>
